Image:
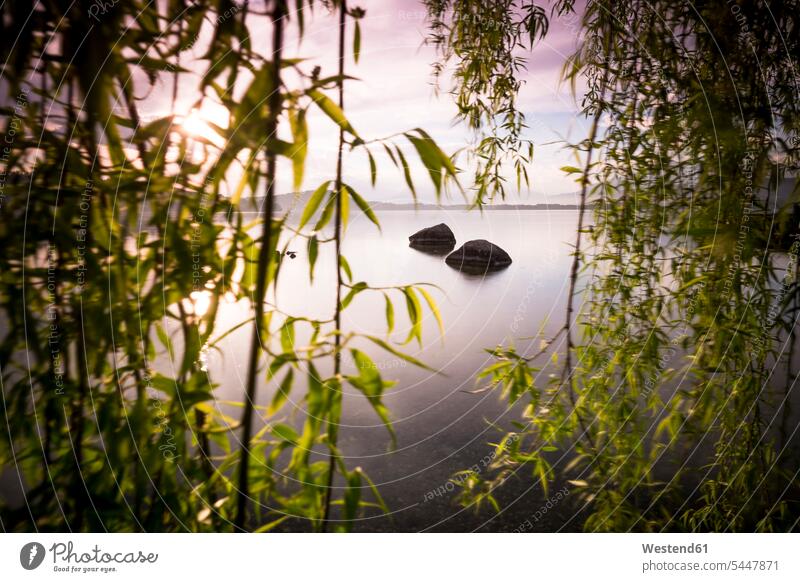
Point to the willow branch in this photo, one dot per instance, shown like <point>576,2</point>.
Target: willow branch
<point>337,353</point>
<point>264,258</point>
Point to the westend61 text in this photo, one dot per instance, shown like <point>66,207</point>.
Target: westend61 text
<point>670,549</point>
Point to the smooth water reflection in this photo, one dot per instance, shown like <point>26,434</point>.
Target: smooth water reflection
<point>440,427</point>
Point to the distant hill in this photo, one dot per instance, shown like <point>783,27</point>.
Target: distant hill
<point>299,200</point>
<point>570,198</point>
<point>423,206</point>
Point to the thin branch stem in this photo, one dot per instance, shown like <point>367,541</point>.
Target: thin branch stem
<point>264,258</point>
<point>567,372</point>
<point>337,353</point>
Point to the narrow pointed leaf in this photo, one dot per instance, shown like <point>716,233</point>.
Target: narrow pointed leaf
<point>313,203</point>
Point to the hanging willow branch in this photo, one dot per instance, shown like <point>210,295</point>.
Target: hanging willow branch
<point>684,312</point>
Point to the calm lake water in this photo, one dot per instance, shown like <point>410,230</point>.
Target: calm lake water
<point>440,427</point>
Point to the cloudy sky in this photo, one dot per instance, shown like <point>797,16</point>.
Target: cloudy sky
<point>395,93</point>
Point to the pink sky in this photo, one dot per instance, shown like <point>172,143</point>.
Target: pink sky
<point>395,93</point>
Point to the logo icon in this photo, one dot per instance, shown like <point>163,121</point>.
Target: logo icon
<point>31,555</point>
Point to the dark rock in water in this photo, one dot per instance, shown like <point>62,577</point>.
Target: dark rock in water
<point>438,234</point>
<point>478,256</point>
<point>438,240</point>
<point>433,248</point>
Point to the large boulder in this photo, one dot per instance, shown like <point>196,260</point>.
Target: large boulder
<point>478,256</point>
<point>437,239</point>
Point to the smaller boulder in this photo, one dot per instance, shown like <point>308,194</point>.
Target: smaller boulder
<point>437,239</point>
<point>478,256</point>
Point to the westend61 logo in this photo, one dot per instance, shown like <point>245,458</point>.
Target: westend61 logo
<point>67,559</point>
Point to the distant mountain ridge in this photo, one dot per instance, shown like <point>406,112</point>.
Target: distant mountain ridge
<point>299,200</point>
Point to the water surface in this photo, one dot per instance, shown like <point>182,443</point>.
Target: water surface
<point>441,428</point>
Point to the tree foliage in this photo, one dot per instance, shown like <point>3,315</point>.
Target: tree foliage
<point>673,397</point>
<point>121,236</point>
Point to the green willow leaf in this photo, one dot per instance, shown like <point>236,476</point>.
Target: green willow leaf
<point>345,266</point>
<point>272,524</point>
<point>414,309</point>
<point>299,150</point>
<point>375,492</point>
<point>327,213</point>
<point>282,394</point>
<point>279,362</point>
<point>430,160</point>
<point>402,355</point>
<point>313,251</point>
<point>332,110</point>
<point>352,497</point>
<point>434,309</point>
<point>354,290</point>
<point>287,336</point>
<point>356,42</point>
<point>390,153</point>
<point>363,205</point>
<point>406,172</point>
<point>313,203</point>
<point>344,206</point>
<point>444,160</point>
<point>285,432</point>
<point>372,385</point>
<point>389,314</point>
<point>165,340</point>
<point>373,169</point>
